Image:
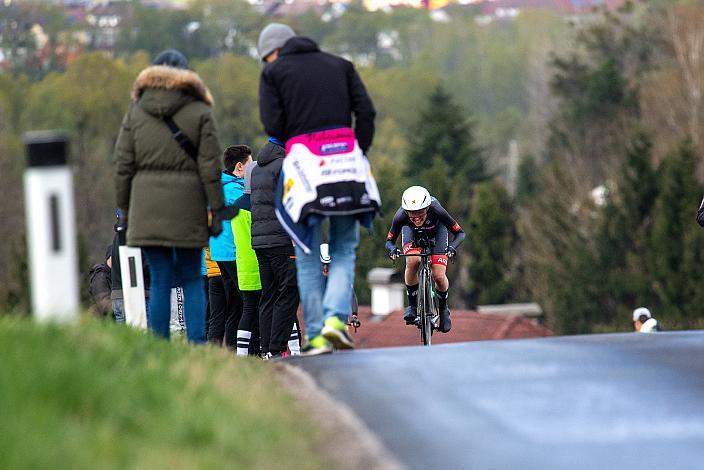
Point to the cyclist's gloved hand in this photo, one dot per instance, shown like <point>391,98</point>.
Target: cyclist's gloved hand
<point>395,253</point>
<point>450,252</point>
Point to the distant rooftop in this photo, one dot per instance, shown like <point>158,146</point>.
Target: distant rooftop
<point>378,332</point>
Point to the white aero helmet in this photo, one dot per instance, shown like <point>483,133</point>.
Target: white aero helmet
<point>415,198</point>
<point>324,253</point>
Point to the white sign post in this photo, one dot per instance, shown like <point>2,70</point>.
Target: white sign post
<point>132,283</point>
<point>51,227</point>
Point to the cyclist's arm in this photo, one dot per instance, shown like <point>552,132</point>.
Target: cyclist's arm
<point>452,225</point>
<point>395,229</point>
<point>459,236</point>
<point>390,246</point>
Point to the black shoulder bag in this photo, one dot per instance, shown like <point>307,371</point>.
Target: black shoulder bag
<point>178,135</point>
<point>182,139</point>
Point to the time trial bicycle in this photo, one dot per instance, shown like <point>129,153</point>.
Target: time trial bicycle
<point>427,311</point>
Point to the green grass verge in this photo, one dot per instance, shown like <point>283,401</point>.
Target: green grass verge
<point>99,395</point>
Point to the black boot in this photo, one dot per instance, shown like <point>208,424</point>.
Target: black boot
<point>409,315</point>
<point>445,321</point>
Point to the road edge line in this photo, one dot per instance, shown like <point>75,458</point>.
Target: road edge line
<point>363,448</point>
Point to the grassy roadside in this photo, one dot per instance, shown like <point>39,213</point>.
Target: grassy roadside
<point>98,395</point>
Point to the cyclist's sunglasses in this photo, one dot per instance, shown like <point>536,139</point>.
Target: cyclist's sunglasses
<point>419,214</point>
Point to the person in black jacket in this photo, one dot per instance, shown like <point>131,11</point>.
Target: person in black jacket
<point>274,249</point>
<point>308,89</point>
<point>305,91</point>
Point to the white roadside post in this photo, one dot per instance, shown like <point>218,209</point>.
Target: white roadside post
<point>51,227</point>
<point>132,282</point>
<point>388,292</point>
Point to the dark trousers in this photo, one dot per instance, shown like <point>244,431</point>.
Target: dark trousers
<point>207,303</point>
<point>279,301</point>
<point>218,302</point>
<point>250,318</point>
<point>223,322</point>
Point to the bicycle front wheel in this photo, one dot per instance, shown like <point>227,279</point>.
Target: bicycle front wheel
<point>424,311</point>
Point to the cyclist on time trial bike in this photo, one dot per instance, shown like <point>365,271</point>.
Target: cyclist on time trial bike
<point>422,217</point>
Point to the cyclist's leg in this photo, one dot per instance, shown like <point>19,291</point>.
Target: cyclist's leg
<point>410,276</point>
<point>439,260</point>
<point>411,273</point>
<point>439,277</point>
<point>442,284</point>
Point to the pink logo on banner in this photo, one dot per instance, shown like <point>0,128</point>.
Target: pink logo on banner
<point>325,143</point>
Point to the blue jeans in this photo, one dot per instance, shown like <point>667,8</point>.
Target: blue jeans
<point>176,267</point>
<point>322,300</point>
<point>118,310</point>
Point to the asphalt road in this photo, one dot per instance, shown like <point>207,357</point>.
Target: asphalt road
<point>620,401</point>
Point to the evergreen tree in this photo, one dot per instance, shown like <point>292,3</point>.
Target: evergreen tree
<point>559,253</point>
<point>597,86</point>
<point>444,131</point>
<point>674,256</point>
<point>443,157</point>
<point>491,241</point>
<point>625,223</point>
<point>527,181</point>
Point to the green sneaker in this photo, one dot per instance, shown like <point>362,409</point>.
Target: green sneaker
<point>335,330</point>
<point>316,346</point>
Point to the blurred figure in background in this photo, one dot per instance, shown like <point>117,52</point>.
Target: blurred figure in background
<point>167,160</point>
<point>100,286</point>
<point>643,321</point>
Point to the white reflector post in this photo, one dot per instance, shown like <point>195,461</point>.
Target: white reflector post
<point>133,285</point>
<point>51,227</point>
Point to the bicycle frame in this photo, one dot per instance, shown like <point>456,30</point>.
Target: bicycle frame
<point>427,306</point>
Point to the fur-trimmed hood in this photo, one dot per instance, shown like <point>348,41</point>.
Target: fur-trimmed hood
<point>171,89</point>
